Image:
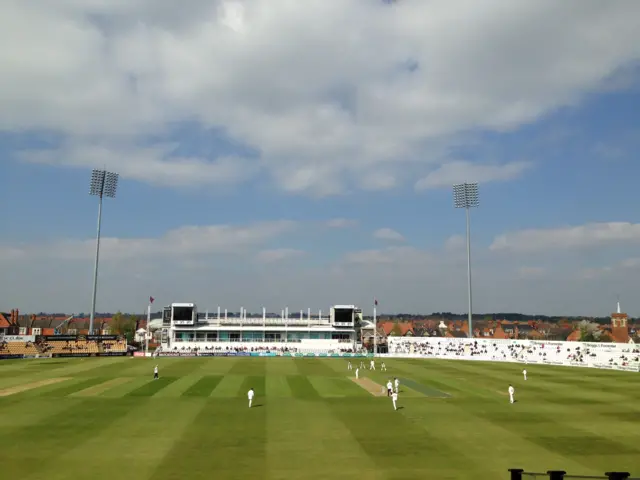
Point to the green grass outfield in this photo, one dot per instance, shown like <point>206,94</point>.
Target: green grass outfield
<point>106,418</point>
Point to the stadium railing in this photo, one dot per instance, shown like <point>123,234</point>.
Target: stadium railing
<point>519,474</point>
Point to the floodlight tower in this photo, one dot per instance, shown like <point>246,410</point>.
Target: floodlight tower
<point>465,195</point>
<point>103,184</point>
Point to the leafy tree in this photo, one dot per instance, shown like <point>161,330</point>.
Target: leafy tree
<point>122,325</point>
<point>606,338</point>
<point>589,331</point>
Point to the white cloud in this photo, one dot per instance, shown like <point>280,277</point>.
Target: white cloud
<point>232,266</point>
<point>278,255</point>
<point>459,172</point>
<point>10,253</point>
<point>630,263</point>
<point>328,102</point>
<point>531,272</point>
<point>390,256</point>
<point>151,164</point>
<point>594,273</point>
<point>455,243</point>
<point>388,234</point>
<point>591,273</point>
<point>583,236</point>
<point>184,241</point>
<point>341,223</point>
<point>378,181</point>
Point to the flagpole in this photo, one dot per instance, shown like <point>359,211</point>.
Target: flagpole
<point>375,329</point>
<point>148,332</point>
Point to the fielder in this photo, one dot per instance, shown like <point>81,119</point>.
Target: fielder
<point>397,382</point>
<point>383,367</point>
<point>394,398</point>
<point>372,365</point>
<point>524,372</point>
<point>512,392</point>
<point>389,388</point>
<point>155,373</point>
<point>250,396</point>
<point>349,366</point>
<point>357,373</point>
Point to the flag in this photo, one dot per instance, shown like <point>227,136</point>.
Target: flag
<point>375,302</point>
<point>151,299</point>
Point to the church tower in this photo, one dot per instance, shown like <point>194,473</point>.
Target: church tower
<point>619,328</point>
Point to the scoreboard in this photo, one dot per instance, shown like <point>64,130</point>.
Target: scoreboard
<point>343,316</point>
<point>184,314</point>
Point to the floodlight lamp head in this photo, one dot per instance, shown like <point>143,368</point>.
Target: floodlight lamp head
<point>110,185</point>
<point>97,182</point>
<point>103,183</point>
<point>465,195</point>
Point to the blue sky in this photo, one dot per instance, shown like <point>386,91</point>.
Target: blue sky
<point>263,163</point>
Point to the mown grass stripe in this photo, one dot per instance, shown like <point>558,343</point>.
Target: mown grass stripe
<point>302,388</point>
<point>129,448</point>
<point>249,366</point>
<point>314,366</point>
<point>225,440</point>
<point>255,382</point>
<point>277,387</point>
<point>32,449</point>
<point>296,437</point>
<point>119,391</point>
<point>152,387</point>
<point>101,387</point>
<point>228,386</point>
<point>423,389</point>
<point>203,387</point>
<point>366,422</point>
<point>68,389</point>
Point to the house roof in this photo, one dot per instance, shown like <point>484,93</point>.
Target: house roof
<point>4,323</point>
<point>574,336</point>
<point>499,333</point>
<point>405,327</point>
<point>525,328</point>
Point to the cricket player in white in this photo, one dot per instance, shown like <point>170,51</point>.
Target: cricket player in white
<point>383,367</point>
<point>389,388</point>
<point>524,372</point>
<point>357,373</point>
<point>250,396</point>
<point>394,398</point>
<point>397,382</point>
<point>512,392</point>
<point>155,372</point>
<point>349,366</point>
<point>372,365</point>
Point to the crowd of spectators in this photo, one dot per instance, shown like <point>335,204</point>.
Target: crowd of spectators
<point>527,352</point>
<point>277,349</point>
